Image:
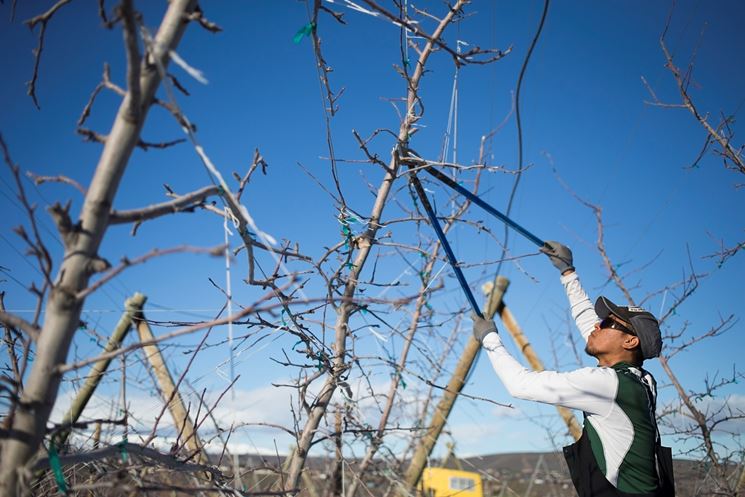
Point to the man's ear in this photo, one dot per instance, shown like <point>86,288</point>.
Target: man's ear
<point>631,342</point>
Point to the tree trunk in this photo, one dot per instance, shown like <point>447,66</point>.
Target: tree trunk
<point>365,243</point>
<point>63,308</point>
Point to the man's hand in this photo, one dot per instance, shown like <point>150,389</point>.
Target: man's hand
<point>560,255</point>
<point>482,327</point>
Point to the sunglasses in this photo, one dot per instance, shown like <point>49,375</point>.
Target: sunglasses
<point>612,323</point>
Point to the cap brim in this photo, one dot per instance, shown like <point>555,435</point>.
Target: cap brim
<point>604,307</point>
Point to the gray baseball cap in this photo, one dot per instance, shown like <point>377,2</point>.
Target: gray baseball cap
<point>643,324</point>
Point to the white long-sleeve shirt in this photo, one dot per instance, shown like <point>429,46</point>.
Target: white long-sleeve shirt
<point>616,400</point>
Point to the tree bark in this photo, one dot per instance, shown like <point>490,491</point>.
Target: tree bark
<point>81,253</point>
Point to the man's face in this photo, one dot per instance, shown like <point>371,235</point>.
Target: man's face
<point>609,336</point>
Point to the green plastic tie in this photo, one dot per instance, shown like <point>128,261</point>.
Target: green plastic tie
<point>400,377</point>
<point>282,317</point>
<point>123,450</point>
<point>296,344</point>
<point>59,477</point>
<point>350,265</point>
<point>320,364</point>
<point>303,32</point>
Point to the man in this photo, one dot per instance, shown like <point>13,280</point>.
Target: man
<point>617,454</point>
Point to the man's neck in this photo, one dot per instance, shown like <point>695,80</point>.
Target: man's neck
<point>610,360</point>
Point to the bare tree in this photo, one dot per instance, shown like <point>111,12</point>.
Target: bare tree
<point>412,114</point>
<point>82,240</point>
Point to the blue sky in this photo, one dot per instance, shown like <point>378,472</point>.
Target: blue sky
<point>584,114</point>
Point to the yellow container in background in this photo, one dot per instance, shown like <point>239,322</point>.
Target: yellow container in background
<point>444,482</point>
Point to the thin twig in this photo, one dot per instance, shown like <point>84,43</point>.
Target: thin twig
<point>125,263</point>
<point>37,179</point>
<point>42,19</point>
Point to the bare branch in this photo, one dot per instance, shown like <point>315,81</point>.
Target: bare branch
<point>56,179</point>
<point>14,322</point>
<point>93,136</point>
<point>731,154</point>
<point>42,19</point>
<point>64,368</point>
<point>198,16</point>
<point>725,253</point>
<point>105,83</point>
<point>182,203</point>
<point>724,325</point>
<point>102,13</point>
<point>339,16</point>
<point>61,216</point>
<point>160,145</point>
<point>598,211</point>
<point>37,247</point>
<point>125,263</point>
<point>468,57</point>
<point>258,160</point>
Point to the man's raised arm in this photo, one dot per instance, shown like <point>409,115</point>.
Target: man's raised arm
<point>582,309</point>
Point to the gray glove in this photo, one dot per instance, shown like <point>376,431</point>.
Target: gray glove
<point>560,255</point>
<point>482,327</point>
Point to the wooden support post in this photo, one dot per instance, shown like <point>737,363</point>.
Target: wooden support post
<point>310,484</point>
<point>97,435</point>
<point>176,405</point>
<point>237,477</point>
<point>442,411</point>
<point>132,306</point>
<point>522,342</point>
